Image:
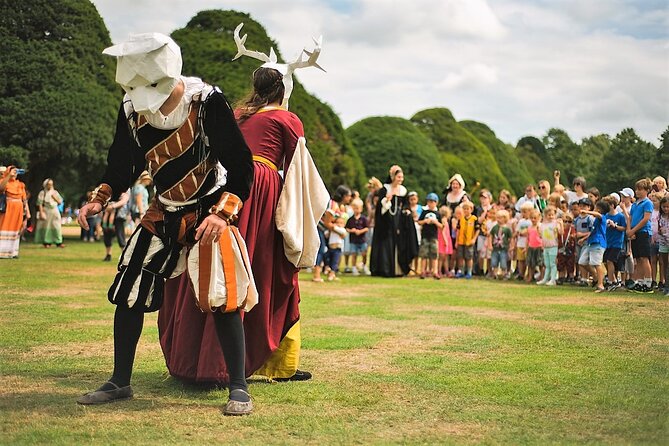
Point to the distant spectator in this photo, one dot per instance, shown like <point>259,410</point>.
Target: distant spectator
<point>663,231</point>
<point>616,225</point>
<point>592,254</point>
<point>48,230</point>
<point>660,186</point>
<point>534,255</point>
<point>16,208</point>
<point>543,195</point>
<point>357,226</point>
<point>468,231</point>
<point>579,190</point>
<point>430,221</point>
<point>638,230</point>
<point>550,230</point>
<point>455,192</point>
<point>499,241</point>
<point>503,199</point>
<point>445,241</point>
<point>139,201</point>
<point>529,197</point>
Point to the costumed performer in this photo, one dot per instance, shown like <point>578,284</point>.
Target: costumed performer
<point>276,138</point>
<point>395,242</point>
<point>184,133</point>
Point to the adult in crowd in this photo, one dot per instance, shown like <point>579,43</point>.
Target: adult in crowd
<point>201,183</point>
<point>341,197</point>
<point>455,192</point>
<point>504,200</point>
<point>272,327</point>
<point>12,213</point>
<point>48,230</point>
<point>395,241</point>
<point>114,221</point>
<point>543,194</point>
<point>139,197</point>
<point>529,197</point>
<point>578,193</point>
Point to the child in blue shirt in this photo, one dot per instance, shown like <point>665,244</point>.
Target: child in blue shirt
<point>616,225</point>
<point>639,231</point>
<point>592,253</point>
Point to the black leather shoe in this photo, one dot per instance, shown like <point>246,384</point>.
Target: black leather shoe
<point>106,396</point>
<point>299,375</point>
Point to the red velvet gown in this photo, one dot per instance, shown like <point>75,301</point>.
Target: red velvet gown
<point>188,336</point>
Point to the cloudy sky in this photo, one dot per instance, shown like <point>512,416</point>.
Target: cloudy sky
<point>520,66</point>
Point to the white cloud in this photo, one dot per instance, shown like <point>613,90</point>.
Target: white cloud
<point>521,67</point>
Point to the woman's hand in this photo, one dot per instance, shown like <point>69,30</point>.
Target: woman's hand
<point>210,229</point>
<point>86,210</point>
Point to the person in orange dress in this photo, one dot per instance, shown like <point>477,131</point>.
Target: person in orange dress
<point>11,220</point>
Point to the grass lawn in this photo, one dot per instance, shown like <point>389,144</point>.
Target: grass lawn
<point>395,361</point>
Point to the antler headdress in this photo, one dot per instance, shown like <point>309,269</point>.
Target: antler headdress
<point>286,69</point>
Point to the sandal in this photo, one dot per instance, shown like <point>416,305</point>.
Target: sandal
<point>600,290</point>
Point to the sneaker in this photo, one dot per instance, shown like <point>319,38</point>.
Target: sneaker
<point>459,275</point>
<point>300,375</point>
<point>600,290</point>
<point>542,282</point>
<point>354,271</point>
<point>468,276</point>
<point>107,258</point>
<point>642,289</point>
<point>630,284</point>
<point>551,283</point>
<point>348,269</point>
<point>560,281</point>
<point>613,287</point>
<point>367,271</point>
<point>653,284</point>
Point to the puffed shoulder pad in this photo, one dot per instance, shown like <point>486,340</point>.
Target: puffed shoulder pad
<point>101,194</point>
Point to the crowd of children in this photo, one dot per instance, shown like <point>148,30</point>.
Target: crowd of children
<point>620,240</point>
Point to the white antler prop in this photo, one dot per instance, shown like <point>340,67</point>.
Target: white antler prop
<point>271,61</point>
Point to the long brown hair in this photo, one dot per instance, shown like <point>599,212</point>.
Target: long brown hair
<point>267,88</point>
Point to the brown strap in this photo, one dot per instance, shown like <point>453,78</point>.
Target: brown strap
<point>228,260</point>
<point>204,276</point>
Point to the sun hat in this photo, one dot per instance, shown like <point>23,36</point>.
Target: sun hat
<point>432,197</point>
<point>627,192</point>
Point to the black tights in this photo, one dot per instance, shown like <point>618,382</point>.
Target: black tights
<point>128,325</point>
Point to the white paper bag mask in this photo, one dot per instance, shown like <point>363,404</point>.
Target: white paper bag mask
<point>148,68</point>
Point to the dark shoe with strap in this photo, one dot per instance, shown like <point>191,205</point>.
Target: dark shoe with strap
<point>114,393</point>
<point>239,403</point>
<point>299,375</point>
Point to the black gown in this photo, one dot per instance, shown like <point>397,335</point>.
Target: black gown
<point>395,242</point>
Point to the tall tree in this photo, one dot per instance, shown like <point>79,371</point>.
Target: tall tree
<point>58,100</point>
<point>662,155</point>
<point>628,159</point>
<point>565,154</point>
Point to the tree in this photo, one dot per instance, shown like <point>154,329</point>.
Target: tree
<point>628,159</point>
<point>662,155</point>
<point>384,141</point>
<point>460,151</point>
<point>58,99</point>
<point>564,154</point>
<point>512,167</point>
<point>208,48</point>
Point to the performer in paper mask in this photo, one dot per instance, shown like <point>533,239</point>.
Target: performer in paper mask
<point>276,138</point>
<point>184,133</point>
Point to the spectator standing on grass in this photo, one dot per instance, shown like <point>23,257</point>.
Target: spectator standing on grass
<point>520,238</point>
<point>358,226</point>
<point>139,201</point>
<point>550,229</point>
<point>578,193</point>
<point>114,220</point>
<point>592,254</point>
<point>468,231</point>
<point>48,230</point>
<point>341,196</point>
<point>431,224</point>
<point>455,230</point>
<point>533,257</point>
<point>416,210</point>
<point>566,249</point>
<point>444,241</point>
<point>499,241</point>
<point>654,240</point>
<point>583,224</point>
<point>616,225</point>
<point>639,232</point>
<point>663,236</point>
<point>485,222</point>
<point>335,245</point>
<point>503,199</point>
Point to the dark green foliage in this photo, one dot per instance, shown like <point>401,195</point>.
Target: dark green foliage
<point>533,154</point>
<point>58,100</point>
<point>512,167</point>
<point>460,150</point>
<point>208,47</point>
<point>565,154</point>
<point>384,141</point>
<point>662,156</point>
<point>628,159</point>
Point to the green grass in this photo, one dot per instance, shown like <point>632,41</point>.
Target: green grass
<point>395,361</point>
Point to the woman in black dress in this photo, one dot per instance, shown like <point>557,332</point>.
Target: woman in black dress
<point>395,242</point>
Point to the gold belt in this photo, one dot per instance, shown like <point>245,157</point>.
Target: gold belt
<point>265,161</point>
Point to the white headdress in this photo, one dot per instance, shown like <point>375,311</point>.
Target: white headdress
<point>285,69</point>
<point>148,68</point>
